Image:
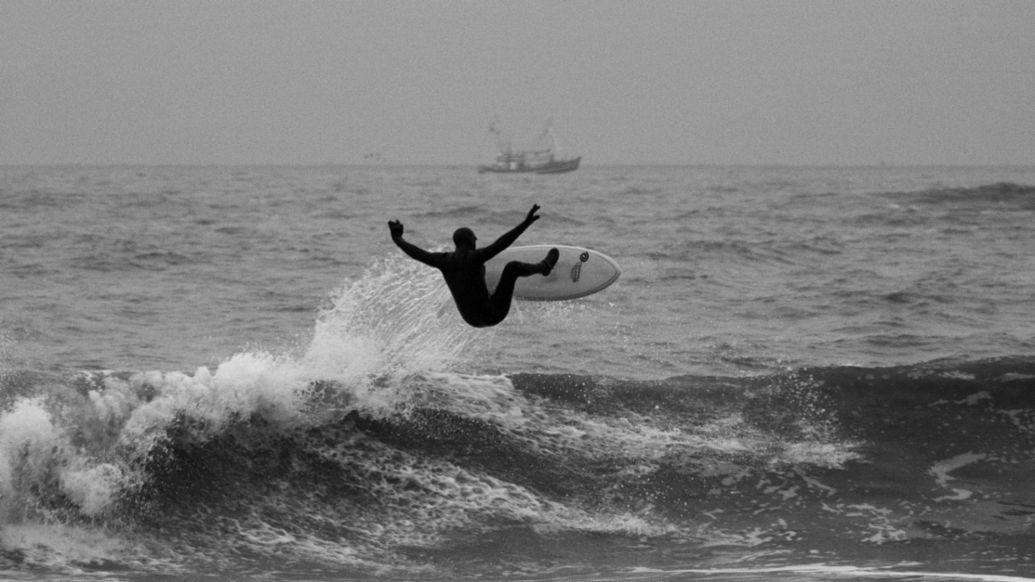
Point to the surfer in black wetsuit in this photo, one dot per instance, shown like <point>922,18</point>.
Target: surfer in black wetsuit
<point>464,270</point>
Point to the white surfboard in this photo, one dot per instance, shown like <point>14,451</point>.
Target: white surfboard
<point>579,272</point>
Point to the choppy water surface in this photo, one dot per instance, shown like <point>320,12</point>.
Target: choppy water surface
<point>802,374</point>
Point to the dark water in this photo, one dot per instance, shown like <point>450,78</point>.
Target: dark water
<point>821,374</point>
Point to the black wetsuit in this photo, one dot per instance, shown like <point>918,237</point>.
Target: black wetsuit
<point>464,271</point>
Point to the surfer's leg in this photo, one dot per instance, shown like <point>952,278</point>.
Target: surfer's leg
<point>501,297</point>
<point>504,292</point>
<point>515,269</point>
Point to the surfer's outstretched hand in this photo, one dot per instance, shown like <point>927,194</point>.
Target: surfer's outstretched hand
<point>396,228</point>
<point>532,216</point>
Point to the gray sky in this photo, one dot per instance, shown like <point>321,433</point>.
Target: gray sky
<point>675,82</point>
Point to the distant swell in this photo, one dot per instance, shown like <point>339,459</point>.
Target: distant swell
<point>1001,193</point>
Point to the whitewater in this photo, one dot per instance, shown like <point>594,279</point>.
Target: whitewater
<point>232,373</point>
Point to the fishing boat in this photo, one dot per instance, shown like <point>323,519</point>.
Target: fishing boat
<point>535,161</point>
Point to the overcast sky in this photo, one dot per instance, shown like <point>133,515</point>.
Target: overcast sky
<point>673,82</point>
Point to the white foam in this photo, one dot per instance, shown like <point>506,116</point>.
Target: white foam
<point>34,452</point>
<point>28,446</point>
<point>92,488</point>
<point>942,473</point>
<point>244,386</point>
<point>58,545</point>
<point>840,571</point>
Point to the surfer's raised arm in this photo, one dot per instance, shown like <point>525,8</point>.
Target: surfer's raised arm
<point>414,251</point>
<point>508,238</point>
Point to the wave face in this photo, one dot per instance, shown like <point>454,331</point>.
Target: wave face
<point>1005,195</point>
<point>259,467</point>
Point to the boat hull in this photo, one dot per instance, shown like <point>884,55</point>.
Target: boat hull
<point>554,167</point>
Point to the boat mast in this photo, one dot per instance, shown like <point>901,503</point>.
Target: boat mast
<point>501,146</point>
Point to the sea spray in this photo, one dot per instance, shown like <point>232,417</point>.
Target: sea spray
<point>395,319</point>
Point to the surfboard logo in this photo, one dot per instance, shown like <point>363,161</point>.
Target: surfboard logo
<point>576,271</point>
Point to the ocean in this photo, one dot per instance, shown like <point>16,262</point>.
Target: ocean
<point>231,373</point>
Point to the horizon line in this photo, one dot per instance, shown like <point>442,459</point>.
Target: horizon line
<point>474,166</point>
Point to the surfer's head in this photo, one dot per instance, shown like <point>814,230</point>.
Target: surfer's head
<point>464,238</point>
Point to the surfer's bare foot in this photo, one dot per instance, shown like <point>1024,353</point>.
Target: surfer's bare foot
<point>550,261</point>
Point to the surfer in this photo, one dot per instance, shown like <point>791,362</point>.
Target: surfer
<point>464,270</point>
